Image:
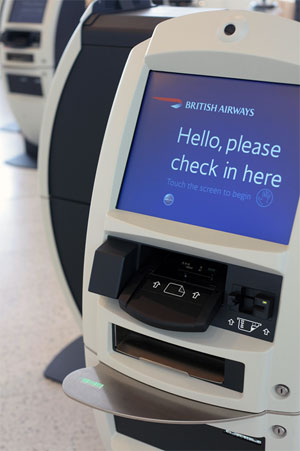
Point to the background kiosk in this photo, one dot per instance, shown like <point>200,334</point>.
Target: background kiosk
<point>34,35</point>
<point>191,293</point>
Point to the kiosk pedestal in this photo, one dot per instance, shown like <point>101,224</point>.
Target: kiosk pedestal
<point>27,159</point>
<point>67,360</point>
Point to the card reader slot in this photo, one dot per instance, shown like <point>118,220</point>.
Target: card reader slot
<point>21,39</point>
<point>195,364</point>
<point>195,278</point>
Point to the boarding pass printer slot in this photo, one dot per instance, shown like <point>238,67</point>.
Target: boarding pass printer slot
<point>217,370</point>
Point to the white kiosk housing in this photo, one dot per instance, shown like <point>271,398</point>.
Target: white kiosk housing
<point>34,35</point>
<point>191,288</point>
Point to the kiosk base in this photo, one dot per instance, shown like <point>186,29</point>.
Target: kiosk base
<point>71,358</point>
<point>27,159</point>
<point>11,127</point>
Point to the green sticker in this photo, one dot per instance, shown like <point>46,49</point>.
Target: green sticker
<point>87,381</point>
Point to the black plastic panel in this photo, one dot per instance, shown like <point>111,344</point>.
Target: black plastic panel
<point>108,6</point>
<point>69,221</point>
<point>114,263</point>
<point>21,39</point>
<point>120,30</point>
<point>79,128</point>
<point>177,293</point>
<point>231,317</point>
<point>20,57</point>
<point>31,149</point>
<point>86,101</point>
<point>24,84</point>
<point>297,10</point>
<point>81,120</point>
<point>171,437</point>
<point>70,13</point>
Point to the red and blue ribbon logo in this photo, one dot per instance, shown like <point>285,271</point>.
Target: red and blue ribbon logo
<point>177,103</point>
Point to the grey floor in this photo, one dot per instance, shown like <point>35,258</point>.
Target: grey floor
<point>35,322</point>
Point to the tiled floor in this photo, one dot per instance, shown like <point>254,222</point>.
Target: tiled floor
<point>35,322</point>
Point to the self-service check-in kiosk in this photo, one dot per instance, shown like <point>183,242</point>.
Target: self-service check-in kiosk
<point>34,35</point>
<point>73,126</point>
<point>191,287</point>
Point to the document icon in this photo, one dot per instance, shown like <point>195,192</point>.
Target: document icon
<point>246,325</point>
<point>175,289</point>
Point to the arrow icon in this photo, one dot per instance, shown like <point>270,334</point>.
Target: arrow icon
<point>156,284</point>
<point>196,295</point>
<point>230,322</point>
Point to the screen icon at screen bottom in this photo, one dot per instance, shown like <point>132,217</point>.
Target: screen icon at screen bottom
<point>168,199</point>
<point>264,197</point>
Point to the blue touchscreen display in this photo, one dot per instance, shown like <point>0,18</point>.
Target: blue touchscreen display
<point>217,153</point>
<point>31,11</point>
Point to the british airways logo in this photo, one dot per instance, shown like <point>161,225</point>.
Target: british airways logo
<point>177,103</point>
<point>207,107</point>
